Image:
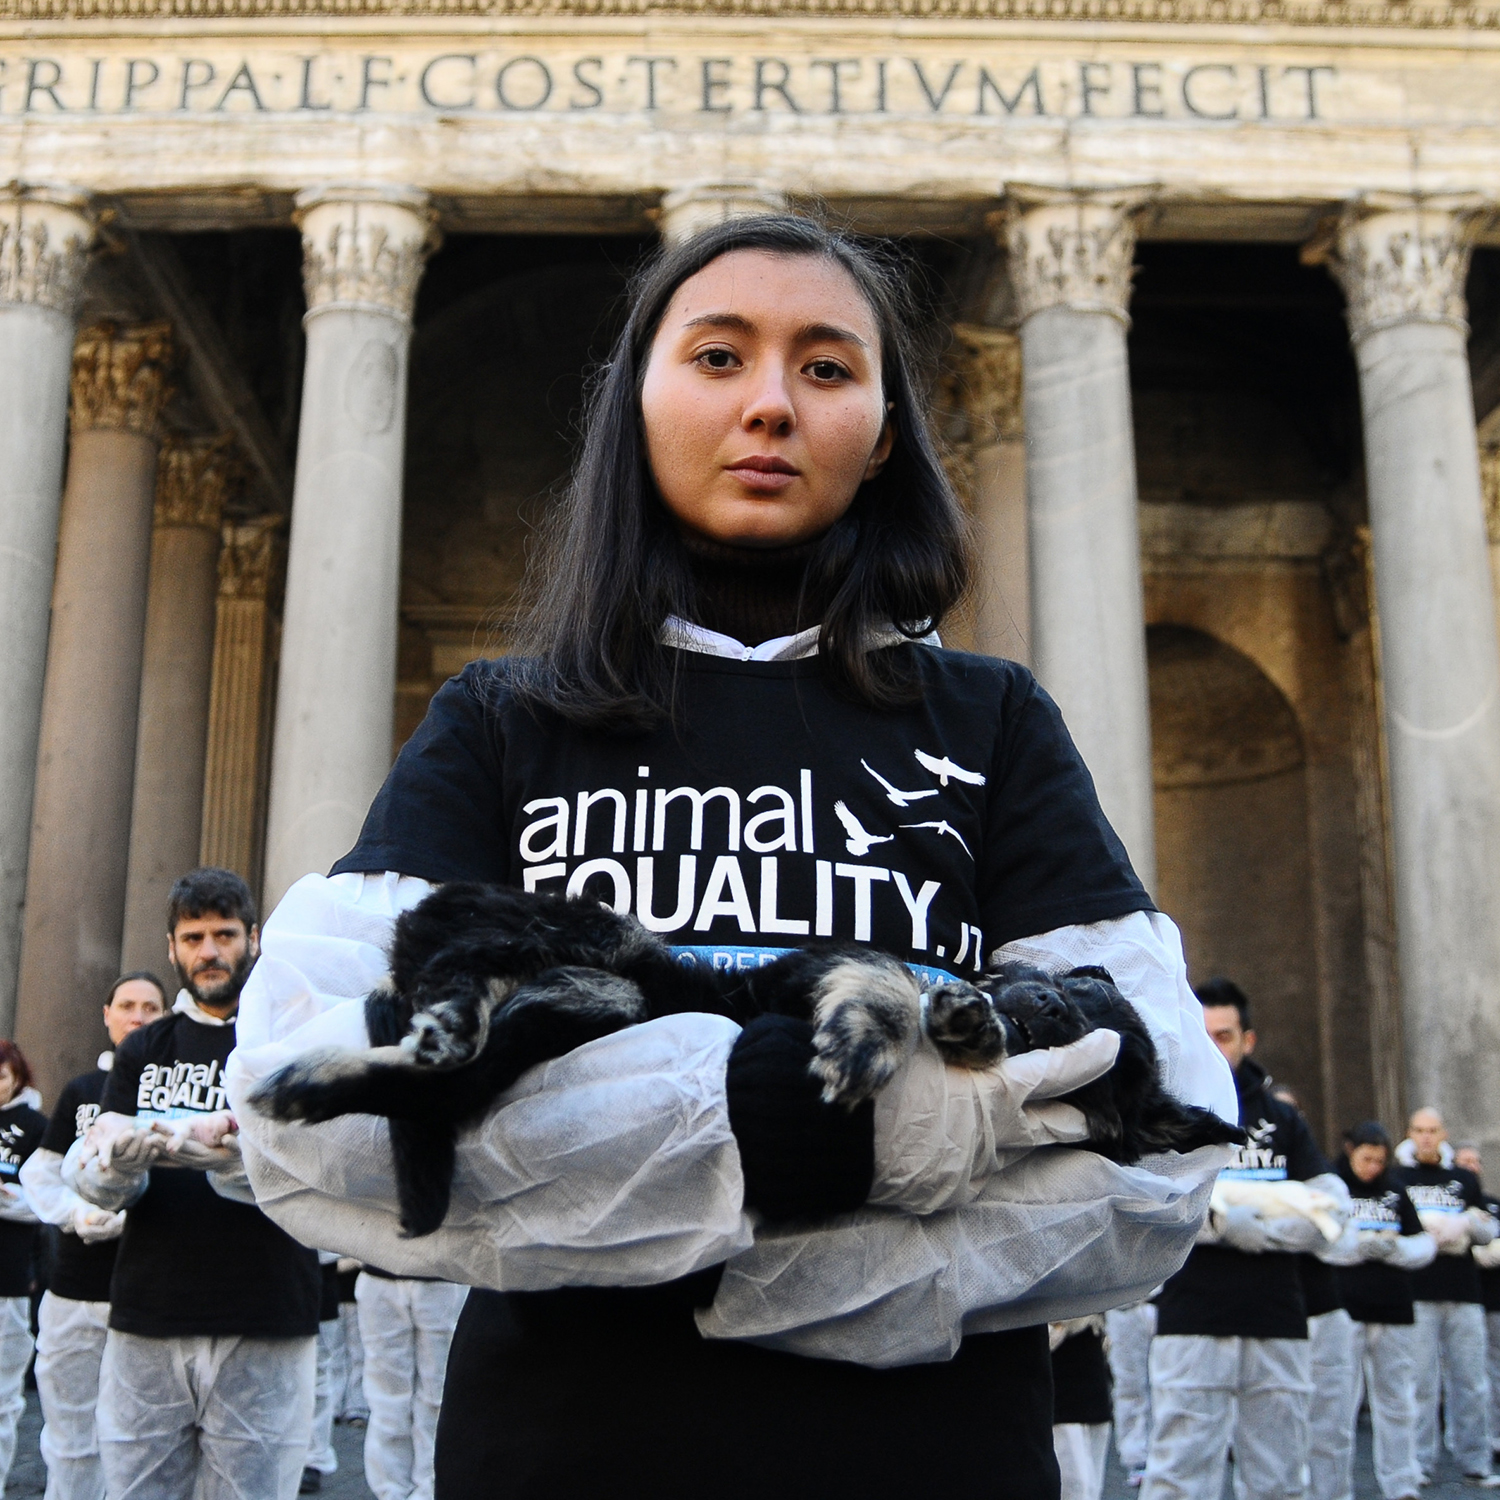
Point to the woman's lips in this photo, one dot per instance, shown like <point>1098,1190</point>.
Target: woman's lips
<point>767,476</point>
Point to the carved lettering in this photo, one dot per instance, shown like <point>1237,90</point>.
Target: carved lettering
<point>1195,106</point>
<point>1146,80</point>
<point>531,87</point>
<point>651,64</point>
<point>935,100</point>
<point>596,63</point>
<point>36,83</point>
<point>1030,84</point>
<point>426,83</point>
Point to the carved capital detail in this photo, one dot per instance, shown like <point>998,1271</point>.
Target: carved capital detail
<point>251,558</point>
<point>689,210</point>
<point>120,377</point>
<point>45,236</point>
<point>1074,250</point>
<point>989,383</point>
<point>195,477</point>
<point>364,248</point>
<point>1403,262</point>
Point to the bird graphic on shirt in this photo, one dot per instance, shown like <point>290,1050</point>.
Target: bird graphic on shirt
<point>945,768</point>
<point>943,826</point>
<point>860,840</point>
<point>894,793</point>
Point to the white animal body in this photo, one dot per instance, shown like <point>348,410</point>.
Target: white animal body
<point>1285,1199</point>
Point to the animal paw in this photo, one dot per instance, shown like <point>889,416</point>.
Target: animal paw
<point>310,1088</point>
<point>866,1015</point>
<point>447,1036</point>
<point>962,1023</point>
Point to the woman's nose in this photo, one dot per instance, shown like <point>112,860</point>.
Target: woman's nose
<point>770,408</point>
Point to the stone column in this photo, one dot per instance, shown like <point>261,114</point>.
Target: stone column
<point>44,240</point>
<point>80,835</point>
<point>234,780</point>
<point>689,210</point>
<point>1402,265</point>
<point>1071,259</point>
<point>363,251</point>
<point>990,393</point>
<point>193,477</point>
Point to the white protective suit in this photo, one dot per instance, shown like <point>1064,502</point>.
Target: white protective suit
<point>1254,1393</point>
<point>328,1389</point>
<point>1131,1330</point>
<point>70,1340</point>
<point>406,1327</point>
<point>1355,1362</point>
<point>1012,1238</point>
<point>16,1343</point>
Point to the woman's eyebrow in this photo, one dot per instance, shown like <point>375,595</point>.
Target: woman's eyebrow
<point>809,333</point>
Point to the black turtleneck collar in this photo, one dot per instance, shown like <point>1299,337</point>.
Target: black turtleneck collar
<point>753,594</point>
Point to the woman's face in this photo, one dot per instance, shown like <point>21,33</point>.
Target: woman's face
<point>7,1084</point>
<point>762,400</point>
<point>1367,1162</point>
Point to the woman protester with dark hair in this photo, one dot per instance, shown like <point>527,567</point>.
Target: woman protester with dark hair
<point>731,716</point>
<point>1388,1243</point>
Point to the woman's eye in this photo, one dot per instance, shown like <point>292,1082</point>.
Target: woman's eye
<point>827,369</point>
<point>718,359</point>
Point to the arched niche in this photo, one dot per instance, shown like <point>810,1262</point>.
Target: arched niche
<point>1233,865</point>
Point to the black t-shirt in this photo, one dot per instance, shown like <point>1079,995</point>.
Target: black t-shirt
<point>21,1130</point>
<point>1224,1293</point>
<point>1321,1292</point>
<point>1444,1190</point>
<point>1082,1388</point>
<point>79,1271</point>
<point>1373,1292</point>
<point>773,812</point>
<point>1489,1276</point>
<point>190,1261</point>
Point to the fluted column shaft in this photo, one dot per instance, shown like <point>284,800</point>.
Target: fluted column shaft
<point>990,391</point>
<point>44,240</point>
<point>1402,267</point>
<point>363,252</point>
<point>234,780</point>
<point>80,832</point>
<point>193,476</point>
<point>1071,258</point>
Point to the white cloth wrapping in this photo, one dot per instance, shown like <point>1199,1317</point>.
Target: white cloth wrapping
<point>615,1165</point>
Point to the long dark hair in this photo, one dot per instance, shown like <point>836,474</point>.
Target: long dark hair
<point>612,568</point>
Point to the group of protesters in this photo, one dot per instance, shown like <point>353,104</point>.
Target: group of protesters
<point>1315,1288</point>
<point>184,1344</point>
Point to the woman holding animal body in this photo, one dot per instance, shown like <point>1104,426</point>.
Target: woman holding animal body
<point>734,719</point>
<point>1383,1243</point>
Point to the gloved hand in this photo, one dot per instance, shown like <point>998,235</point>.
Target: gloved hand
<point>206,1142</point>
<point>940,1130</point>
<point>1378,1245</point>
<point>95,1225</point>
<point>1242,1229</point>
<point>1481,1224</point>
<point>122,1144</point>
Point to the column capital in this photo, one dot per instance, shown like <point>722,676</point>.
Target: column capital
<point>989,369</point>
<point>250,558</point>
<point>1402,259</point>
<point>45,236</point>
<point>363,248</point>
<point>686,211</point>
<point>195,476</point>
<point>120,377</point>
<point>1072,248</point>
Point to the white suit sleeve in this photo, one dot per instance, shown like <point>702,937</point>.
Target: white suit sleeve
<point>52,1199</point>
<point>1413,1251</point>
<point>1059,1234</point>
<point>635,1128</point>
<point>612,1166</point>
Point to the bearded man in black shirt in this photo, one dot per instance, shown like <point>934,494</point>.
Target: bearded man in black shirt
<point>206,1389</point>
<point>1230,1359</point>
<point>74,1316</point>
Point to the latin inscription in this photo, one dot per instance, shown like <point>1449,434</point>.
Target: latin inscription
<point>461,83</point>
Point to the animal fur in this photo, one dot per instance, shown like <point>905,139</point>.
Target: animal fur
<point>487,981</point>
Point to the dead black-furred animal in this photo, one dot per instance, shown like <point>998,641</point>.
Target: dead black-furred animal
<point>486,982</point>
